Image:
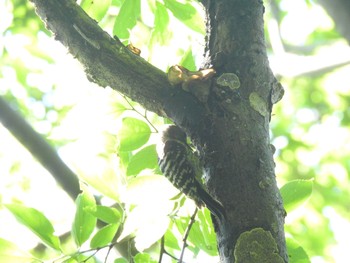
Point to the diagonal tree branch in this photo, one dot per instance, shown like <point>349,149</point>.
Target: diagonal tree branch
<point>40,149</point>
<point>106,60</point>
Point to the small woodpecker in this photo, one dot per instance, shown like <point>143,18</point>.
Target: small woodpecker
<point>181,166</point>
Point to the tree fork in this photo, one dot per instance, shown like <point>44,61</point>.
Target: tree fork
<point>230,130</point>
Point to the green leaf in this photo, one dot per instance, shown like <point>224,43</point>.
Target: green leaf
<point>36,222</point>
<point>202,236</point>
<point>171,241</point>
<point>161,18</point>
<point>145,158</point>
<point>295,193</point>
<point>207,230</point>
<point>107,183</point>
<point>84,222</point>
<point>133,134</point>
<point>104,236</point>
<point>97,9</point>
<point>144,258</point>
<point>196,237</point>
<point>9,252</point>
<point>181,224</point>
<point>128,14</point>
<point>187,14</point>
<point>161,33</point>
<point>124,159</point>
<point>188,60</point>
<point>118,108</point>
<point>121,260</point>
<point>106,214</point>
<point>296,253</point>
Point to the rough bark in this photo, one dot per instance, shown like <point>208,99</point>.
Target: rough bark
<point>237,152</point>
<point>106,60</point>
<point>230,129</point>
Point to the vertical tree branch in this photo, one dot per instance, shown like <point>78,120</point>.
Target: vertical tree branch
<point>236,150</point>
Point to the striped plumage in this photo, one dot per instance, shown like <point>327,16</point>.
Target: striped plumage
<point>181,166</point>
<point>179,171</point>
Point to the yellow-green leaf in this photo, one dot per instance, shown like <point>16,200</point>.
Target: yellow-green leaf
<point>127,18</point>
<point>296,253</point>
<point>9,252</point>
<point>133,134</point>
<point>97,9</point>
<point>104,236</point>
<point>295,193</point>
<point>145,158</point>
<point>84,222</point>
<point>36,222</point>
<point>106,214</point>
<point>187,14</point>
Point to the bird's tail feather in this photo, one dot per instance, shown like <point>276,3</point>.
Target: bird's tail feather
<point>214,206</point>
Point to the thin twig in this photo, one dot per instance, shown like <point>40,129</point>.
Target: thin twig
<point>109,251</point>
<point>138,112</point>
<point>93,254</point>
<point>162,250</point>
<point>192,220</point>
<point>94,250</point>
<point>172,256</point>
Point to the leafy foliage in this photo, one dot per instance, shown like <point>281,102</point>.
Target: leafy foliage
<point>127,18</point>
<point>187,14</point>
<point>96,10</point>
<point>133,134</point>
<point>9,252</point>
<point>295,193</point>
<point>295,252</point>
<point>310,130</point>
<point>104,236</point>
<point>84,222</point>
<point>160,34</point>
<point>36,222</point>
<point>143,159</point>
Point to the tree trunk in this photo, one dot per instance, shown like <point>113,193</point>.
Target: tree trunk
<point>237,151</point>
<point>230,128</point>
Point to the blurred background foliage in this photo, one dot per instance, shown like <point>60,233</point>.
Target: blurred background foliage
<point>90,127</point>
